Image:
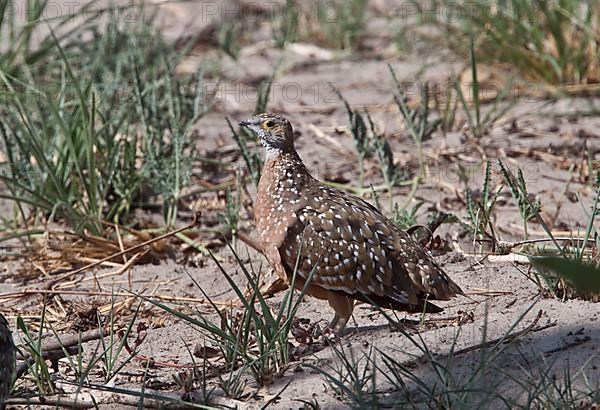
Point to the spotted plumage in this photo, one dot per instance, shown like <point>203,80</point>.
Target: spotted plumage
<point>353,251</point>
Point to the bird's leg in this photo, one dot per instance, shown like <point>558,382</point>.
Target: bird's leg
<point>343,306</point>
<point>334,321</point>
<point>341,325</point>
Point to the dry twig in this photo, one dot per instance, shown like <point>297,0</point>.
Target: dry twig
<point>53,350</point>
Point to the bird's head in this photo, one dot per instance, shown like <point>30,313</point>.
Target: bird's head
<point>273,131</point>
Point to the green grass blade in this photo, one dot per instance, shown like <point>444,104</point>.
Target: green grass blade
<point>584,277</point>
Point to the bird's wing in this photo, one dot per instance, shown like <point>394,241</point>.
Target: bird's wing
<point>353,248</point>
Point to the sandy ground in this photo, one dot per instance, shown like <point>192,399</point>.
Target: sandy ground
<point>545,138</point>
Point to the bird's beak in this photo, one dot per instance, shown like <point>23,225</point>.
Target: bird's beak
<point>251,124</point>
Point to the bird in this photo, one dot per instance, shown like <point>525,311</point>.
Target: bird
<point>345,248</point>
<point>8,358</point>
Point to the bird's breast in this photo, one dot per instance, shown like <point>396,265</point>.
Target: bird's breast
<point>281,192</point>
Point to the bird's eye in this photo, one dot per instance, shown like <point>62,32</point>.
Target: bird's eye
<point>269,124</point>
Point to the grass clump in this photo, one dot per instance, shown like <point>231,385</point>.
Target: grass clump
<point>116,123</point>
<point>426,378</point>
<point>360,134</point>
<point>229,40</point>
<point>36,364</point>
<point>550,41</point>
<point>527,209</point>
<point>342,22</point>
<point>480,208</point>
<point>254,340</point>
<point>368,140</point>
<point>405,218</point>
<point>333,24</point>
<point>416,120</point>
<point>352,376</point>
<point>571,270</point>
<point>285,28</point>
<point>571,266</point>
<point>392,173</point>
<point>479,122</point>
<point>419,126</point>
<point>168,151</point>
<point>116,346</point>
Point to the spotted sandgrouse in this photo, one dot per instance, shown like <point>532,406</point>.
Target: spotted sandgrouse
<point>355,252</point>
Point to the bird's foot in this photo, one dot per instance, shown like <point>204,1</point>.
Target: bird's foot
<point>332,332</point>
<point>338,324</point>
<point>329,336</point>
